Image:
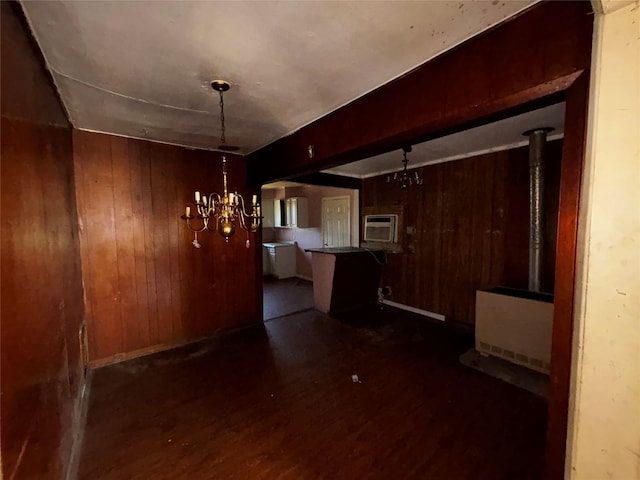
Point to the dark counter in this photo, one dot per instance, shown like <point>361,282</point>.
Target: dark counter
<point>345,278</point>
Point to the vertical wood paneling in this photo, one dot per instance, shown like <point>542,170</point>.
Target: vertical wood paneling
<point>123,222</point>
<point>41,286</point>
<point>471,219</point>
<point>149,256</point>
<point>190,267</point>
<point>141,318</point>
<point>148,287</point>
<point>517,221</point>
<point>437,239</point>
<point>499,201</point>
<point>482,228</point>
<point>160,237</point>
<point>174,198</point>
<point>448,291</point>
<point>99,251</point>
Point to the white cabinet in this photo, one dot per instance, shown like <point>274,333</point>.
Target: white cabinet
<point>291,212</point>
<point>279,259</point>
<point>297,209</point>
<point>268,213</point>
<point>279,213</point>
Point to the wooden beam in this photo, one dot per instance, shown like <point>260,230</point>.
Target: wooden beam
<point>535,55</point>
<point>329,180</point>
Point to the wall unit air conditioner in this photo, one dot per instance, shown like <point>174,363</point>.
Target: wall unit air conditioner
<point>381,228</point>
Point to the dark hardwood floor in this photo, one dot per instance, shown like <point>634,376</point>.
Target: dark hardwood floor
<point>287,296</point>
<point>278,402</point>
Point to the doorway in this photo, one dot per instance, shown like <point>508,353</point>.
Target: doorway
<point>291,292</point>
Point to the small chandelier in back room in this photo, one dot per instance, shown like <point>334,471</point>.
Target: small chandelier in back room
<point>404,178</point>
<point>222,212</point>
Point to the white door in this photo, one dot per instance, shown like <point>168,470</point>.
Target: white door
<point>336,224</point>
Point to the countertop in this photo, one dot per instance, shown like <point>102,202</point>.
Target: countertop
<point>277,244</point>
<point>341,250</point>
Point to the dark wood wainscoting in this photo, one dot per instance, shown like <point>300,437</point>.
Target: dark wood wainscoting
<point>147,287</point>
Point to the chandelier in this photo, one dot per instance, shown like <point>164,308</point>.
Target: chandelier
<point>222,212</point>
<point>404,179</point>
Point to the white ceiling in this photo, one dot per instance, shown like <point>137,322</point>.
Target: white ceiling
<point>492,137</point>
<point>142,69</point>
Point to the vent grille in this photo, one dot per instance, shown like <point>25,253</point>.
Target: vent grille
<point>520,358</point>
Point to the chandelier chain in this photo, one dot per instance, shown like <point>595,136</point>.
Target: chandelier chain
<point>223,140</point>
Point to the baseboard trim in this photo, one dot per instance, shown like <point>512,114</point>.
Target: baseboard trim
<point>304,277</point>
<point>408,308</point>
<point>142,352</point>
<point>161,347</point>
<point>79,423</point>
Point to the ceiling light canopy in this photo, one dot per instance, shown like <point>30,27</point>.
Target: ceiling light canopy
<point>222,212</point>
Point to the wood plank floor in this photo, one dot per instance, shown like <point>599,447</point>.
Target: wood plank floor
<point>287,296</point>
<point>277,402</point>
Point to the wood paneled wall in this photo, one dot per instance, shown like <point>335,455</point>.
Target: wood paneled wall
<point>41,285</point>
<point>471,230</point>
<point>147,287</point>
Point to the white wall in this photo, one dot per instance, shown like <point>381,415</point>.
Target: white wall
<point>604,423</point>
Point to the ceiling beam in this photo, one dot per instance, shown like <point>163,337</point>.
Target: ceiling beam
<point>329,180</point>
<point>532,56</point>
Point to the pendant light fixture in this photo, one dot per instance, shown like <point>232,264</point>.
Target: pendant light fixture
<point>404,178</point>
<point>222,212</point>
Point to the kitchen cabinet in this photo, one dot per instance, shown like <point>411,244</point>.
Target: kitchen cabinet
<point>291,212</point>
<point>268,213</point>
<point>297,212</point>
<point>279,213</point>
<point>279,259</point>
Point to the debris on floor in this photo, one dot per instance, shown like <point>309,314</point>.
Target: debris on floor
<point>355,378</point>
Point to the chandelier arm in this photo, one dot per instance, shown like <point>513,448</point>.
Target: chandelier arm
<point>242,213</point>
<point>190,227</point>
<point>215,202</point>
<point>241,206</point>
<point>243,222</point>
<point>212,223</point>
<point>253,216</point>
